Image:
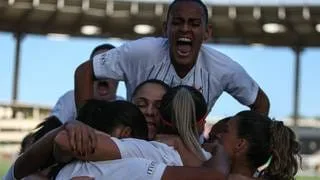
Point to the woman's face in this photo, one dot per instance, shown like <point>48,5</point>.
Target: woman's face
<point>228,135</point>
<point>148,99</point>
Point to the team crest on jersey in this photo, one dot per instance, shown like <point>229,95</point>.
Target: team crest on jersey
<point>103,59</point>
<point>151,168</point>
<point>110,55</point>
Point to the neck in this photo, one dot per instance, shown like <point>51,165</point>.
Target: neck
<point>242,167</point>
<point>189,158</point>
<point>182,70</point>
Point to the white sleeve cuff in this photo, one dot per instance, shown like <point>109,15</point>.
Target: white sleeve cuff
<point>254,94</point>
<point>121,147</point>
<point>105,65</point>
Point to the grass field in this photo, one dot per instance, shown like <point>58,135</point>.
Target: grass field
<point>308,178</point>
<point>5,164</point>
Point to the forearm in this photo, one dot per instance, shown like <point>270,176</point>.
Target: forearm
<point>106,148</point>
<point>39,154</point>
<point>261,104</point>
<point>60,155</point>
<point>189,173</point>
<point>83,83</point>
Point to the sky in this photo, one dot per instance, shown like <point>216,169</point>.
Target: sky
<point>47,68</point>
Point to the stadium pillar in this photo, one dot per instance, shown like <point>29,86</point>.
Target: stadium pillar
<point>296,95</point>
<point>16,71</point>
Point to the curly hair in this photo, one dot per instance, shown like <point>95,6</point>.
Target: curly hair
<point>285,152</point>
<point>270,138</point>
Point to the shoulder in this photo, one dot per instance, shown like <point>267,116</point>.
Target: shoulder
<point>65,108</point>
<point>67,95</point>
<point>67,99</point>
<point>217,63</point>
<point>147,43</point>
<point>151,40</point>
<point>161,145</point>
<point>147,50</point>
<point>215,58</point>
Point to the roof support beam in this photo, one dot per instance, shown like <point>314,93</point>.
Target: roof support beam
<point>16,71</point>
<point>296,95</point>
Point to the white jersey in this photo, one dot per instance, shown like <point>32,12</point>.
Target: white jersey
<point>140,160</point>
<point>148,58</point>
<point>122,169</point>
<point>152,150</point>
<point>65,109</point>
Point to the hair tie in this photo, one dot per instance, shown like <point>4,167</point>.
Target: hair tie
<point>261,169</point>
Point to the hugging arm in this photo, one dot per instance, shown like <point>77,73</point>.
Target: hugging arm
<point>106,148</point>
<point>261,104</point>
<point>191,173</point>
<point>83,78</point>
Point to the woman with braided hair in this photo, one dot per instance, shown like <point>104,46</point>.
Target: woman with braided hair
<point>259,147</point>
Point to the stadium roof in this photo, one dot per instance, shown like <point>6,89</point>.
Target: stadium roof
<point>276,25</point>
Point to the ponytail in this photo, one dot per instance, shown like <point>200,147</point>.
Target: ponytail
<point>272,142</point>
<point>285,152</point>
<point>184,118</point>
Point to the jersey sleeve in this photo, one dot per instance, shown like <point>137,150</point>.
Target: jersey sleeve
<point>65,108</point>
<point>240,85</point>
<point>136,148</point>
<point>138,169</point>
<point>126,60</point>
<point>131,168</point>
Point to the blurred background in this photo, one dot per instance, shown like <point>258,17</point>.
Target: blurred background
<point>43,41</point>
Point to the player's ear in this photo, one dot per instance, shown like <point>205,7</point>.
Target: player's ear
<point>241,146</point>
<point>208,33</point>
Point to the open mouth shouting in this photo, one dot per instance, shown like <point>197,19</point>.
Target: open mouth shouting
<point>103,88</point>
<point>184,46</point>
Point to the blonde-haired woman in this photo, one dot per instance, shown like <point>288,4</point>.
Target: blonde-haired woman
<point>183,110</point>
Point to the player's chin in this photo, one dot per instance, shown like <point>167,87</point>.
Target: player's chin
<point>184,61</point>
